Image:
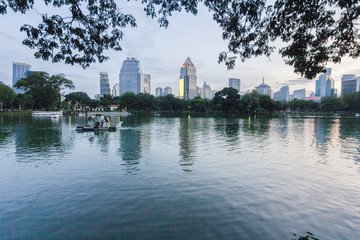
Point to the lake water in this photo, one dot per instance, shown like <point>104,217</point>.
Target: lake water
<point>180,178</point>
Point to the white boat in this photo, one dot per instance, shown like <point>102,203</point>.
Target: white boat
<point>100,123</point>
<point>357,115</point>
<point>53,114</point>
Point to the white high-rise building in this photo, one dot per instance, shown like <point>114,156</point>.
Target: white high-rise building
<point>324,86</point>
<point>264,89</point>
<point>147,79</point>
<point>167,91</point>
<point>299,94</point>
<point>235,83</point>
<point>158,92</point>
<point>116,90</point>
<point>206,90</point>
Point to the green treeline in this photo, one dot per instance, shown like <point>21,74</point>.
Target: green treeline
<point>43,92</point>
<point>225,101</point>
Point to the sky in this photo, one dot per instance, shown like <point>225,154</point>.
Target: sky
<point>161,53</point>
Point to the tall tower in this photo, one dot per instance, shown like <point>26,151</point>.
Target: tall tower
<point>158,92</point>
<point>131,77</point>
<point>187,83</point>
<point>235,83</point>
<point>104,84</point>
<point>147,79</point>
<point>325,84</point>
<point>20,70</point>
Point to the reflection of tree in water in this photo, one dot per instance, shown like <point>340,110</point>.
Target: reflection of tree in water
<point>349,133</point>
<point>130,148</point>
<point>228,127</point>
<point>41,136</point>
<point>6,130</point>
<point>256,125</point>
<point>187,143</point>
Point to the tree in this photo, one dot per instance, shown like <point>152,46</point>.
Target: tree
<point>77,97</point>
<point>250,102</point>
<point>313,32</point>
<point>7,95</point>
<point>329,104</point>
<point>227,99</point>
<point>43,89</point>
<point>105,100</point>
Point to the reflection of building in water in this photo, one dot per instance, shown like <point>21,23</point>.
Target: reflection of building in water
<point>187,142</point>
<point>102,140</point>
<point>323,134</point>
<point>130,148</point>
<point>322,130</point>
<point>228,127</point>
<point>283,127</point>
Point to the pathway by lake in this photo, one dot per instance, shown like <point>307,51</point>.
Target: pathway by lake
<point>180,178</point>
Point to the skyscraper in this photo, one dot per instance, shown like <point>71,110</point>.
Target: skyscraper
<point>235,83</point>
<point>104,84</point>
<point>188,80</point>
<point>20,70</point>
<point>158,92</point>
<point>299,94</point>
<point>284,94</point>
<point>115,90</point>
<point>167,91</point>
<point>206,91</point>
<point>264,89</point>
<point>147,83</point>
<point>131,78</point>
<point>349,84</point>
<point>324,86</point>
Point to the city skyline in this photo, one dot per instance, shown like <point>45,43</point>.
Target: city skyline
<point>203,46</point>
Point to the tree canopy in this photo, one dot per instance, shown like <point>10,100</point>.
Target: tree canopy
<point>7,95</point>
<point>43,91</point>
<point>78,97</point>
<point>314,32</point>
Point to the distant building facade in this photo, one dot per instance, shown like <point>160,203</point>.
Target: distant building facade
<point>20,70</point>
<point>349,84</point>
<point>188,80</point>
<point>284,94</point>
<point>116,90</point>
<point>299,94</point>
<point>167,91</point>
<point>199,92</point>
<point>131,77</point>
<point>264,89</point>
<point>158,92</point>
<point>324,86</point>
<point>206,91</point>
<point>147,83</point>
<point>235,83</point>
<point>276,96</point>
<point>104,84</point>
